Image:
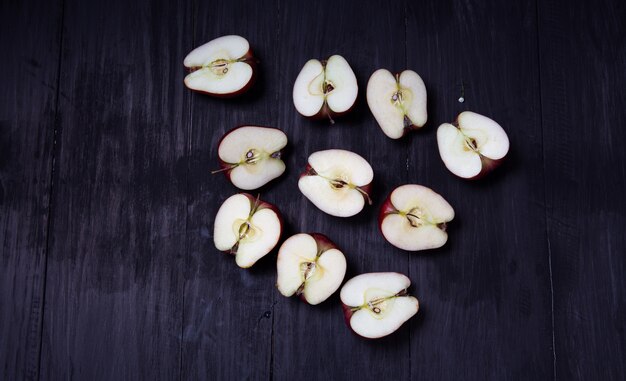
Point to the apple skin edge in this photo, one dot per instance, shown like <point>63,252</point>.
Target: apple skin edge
<point>251,60</point>
<point>386,209</point>
<point>323,244</point>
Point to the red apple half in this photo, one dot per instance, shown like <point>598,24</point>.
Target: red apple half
<point>472,146</point>
<point>414,218</point>
<point>311,266</point>
<point>337,181</point>
<point>325,88</point>
<point>251,156</point>
<point>398,102</point>
<point>247,227</point>
<point>377,304</point>
<point>223,67</point>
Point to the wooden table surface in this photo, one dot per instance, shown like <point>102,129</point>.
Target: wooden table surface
<point>107,265</point>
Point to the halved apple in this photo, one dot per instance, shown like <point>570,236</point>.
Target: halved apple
<point>414,218</point>
<point>472,146</point>
<point>310,266</point>
<point>247,227</point>
<point>223,67</point>
<point>337,181</point>
<point>377,304</point>
<point>251,156</point>
<point>398,102</point>
<point>325,88</point>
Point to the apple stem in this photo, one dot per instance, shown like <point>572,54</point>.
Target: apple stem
<point>364,193</point>
<point>231,166</point>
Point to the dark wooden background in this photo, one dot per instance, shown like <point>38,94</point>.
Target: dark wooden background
<point>107,264</point>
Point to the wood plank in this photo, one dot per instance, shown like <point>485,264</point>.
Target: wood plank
<point>313,341</point>
<point>583,56</point>
<point>28,74</point>
<point>113,298</point>
<point>486,300</point>
<point>227,310</point>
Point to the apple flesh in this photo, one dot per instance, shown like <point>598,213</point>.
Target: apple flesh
<point>325,88</point>
<point>247,227</point>
<point>415,218</point>
<point>398,102</point>
<point>377,304</point>
<point>472,146</point>
<point>310,266</point>
<point>251,156</point>
<point>223,67</point>
<point>338,182</point>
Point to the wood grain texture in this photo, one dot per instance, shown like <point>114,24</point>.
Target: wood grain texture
<point>113,306</point>
<point>486,295</point>
<point>115,276</point>
<point>306,337</point>
<point>583,56</point>
<point>228,310</point>
<point>28,92</point>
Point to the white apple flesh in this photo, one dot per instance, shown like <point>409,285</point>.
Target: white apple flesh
<point>247,227</point>
<point>251,156</point>
<point>325,88</point>
<point>223,67</point>
<point>415,218</point>
<point>310,266</point>
<point>377,304</point>
<point>472,146</point>
<point>398,102</point>
<point>338,182</point>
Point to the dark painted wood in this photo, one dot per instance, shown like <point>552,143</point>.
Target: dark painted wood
<point>113,307</point>
<point>486,295</point>
<point>227,310</point>
<point>127,284</point>
<point>28,92</point>
<point>307,337</point>
<point>583,61</point>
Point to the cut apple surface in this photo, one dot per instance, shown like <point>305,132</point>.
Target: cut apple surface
<point>311,266</point>
<point>325,88</point>
<point>377,304</point>
<point>472,146</point>
<point>247,228</point>
<point>398,102</point>
<point>414,218</point>
<point>251,156</point>
<point>222,67</point>
<point>338,182</point>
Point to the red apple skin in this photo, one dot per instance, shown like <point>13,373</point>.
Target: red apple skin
<point>227,167</point>
<point>347,315</point>
<point>266,205</point>
<point>323,244</point>
<point>250,60</point>
<point>309,171</point>
<point>386,209</point>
